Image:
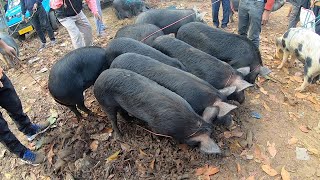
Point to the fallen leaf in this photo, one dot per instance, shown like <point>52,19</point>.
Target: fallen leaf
<point>238,168</point>
<point>113,157</point>
<point>227,134</point>
<point>312,99</point>
<point>236,133</point>
<point>206,170</point>
<point>292,141</point>
<point>313,151</point>
<point>285,174</point>
<point>300,95</point>
<point>272,149</point>
<point>8,175</point>
<point>257,96</point>
<point>43,70</point>
<point>50,154</point>
<point>107,130</point>
<point>183,147</point>
<point>201,170</point>
<point>269,170</point>
<point>142,153</point>
<point>263,91</point>
<point>124,147</point>
<point>54,113</point>
<point>250,178</point>
<point>94,145</point>
<point>152,164</point>
<point>266,107</point>
<point>304,128</point>
<point>316,107</point>
<point>27,109</point>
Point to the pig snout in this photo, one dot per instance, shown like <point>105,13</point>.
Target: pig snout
<point>206,144</point>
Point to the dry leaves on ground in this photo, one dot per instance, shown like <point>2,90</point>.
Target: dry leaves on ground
<point>285,174</point>
<point>304,128</point>
<point>114,156</point>
<point>206,171</point>
<point>292,141</point>
<point>94,145</point>
<point>272,149</point>
<point>269,170</point>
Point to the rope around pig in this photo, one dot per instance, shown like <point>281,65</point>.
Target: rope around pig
<point>172,24</point>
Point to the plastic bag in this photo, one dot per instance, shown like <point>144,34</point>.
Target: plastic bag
<point>307,18</point>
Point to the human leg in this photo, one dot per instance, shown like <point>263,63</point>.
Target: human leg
<point>226,13</point>
<point>255,14</point>
<point>243,18</point>
<point>84,26</point>
<point>73,30</point>
<point>294,17</point>
<point>44,22</point>
<point>215,12</point>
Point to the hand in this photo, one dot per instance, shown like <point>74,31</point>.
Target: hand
<point>35,6</point>
<point>10,51</point>
<point>265,17</point>
<point>97,16</point>
<point>24,18</point>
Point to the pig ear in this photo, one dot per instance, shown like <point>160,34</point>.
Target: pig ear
<point>227,90</point>
<point>243,85</point>
<point>207,145</point>
<point>201,15</point>
<point>195,9</point>
<point>209,113</point>
<point>264,71</point>
<point>224,108</point>
<point>244,70</point>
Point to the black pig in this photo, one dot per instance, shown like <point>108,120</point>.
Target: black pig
<point>165,17</point>
<point>124,45</point>
<point>236,50</point>
<point>73,74</point>
<point>145,33</point>
<point>217,73</point>
<point>128,8</point>
<point>203,98</point>
<point>164,111</point>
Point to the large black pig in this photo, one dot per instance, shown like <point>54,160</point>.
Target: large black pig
<point>145,33</point>
<point>128,8</point>
<point>125,45</point>
<point>74,73</point>
<point>164,111</point>
<point>203,98</point>
<point>166,17</point>
<point>236,50</point>
<point>217,73</point>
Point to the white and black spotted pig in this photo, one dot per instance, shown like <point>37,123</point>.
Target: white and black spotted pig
<point>305,46</point>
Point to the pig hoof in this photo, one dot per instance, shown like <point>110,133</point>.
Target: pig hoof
<point>279,67</point>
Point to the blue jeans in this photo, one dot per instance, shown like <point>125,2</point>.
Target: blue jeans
<point>226,12</point>
<point>99,23</point>
<point>250,17</point>
<point>316,10</point>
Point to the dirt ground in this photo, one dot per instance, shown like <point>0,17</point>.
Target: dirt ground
<point>262,148</point>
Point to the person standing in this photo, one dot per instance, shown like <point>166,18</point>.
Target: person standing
<point>226,12</point>
<point>39,20</point>
<point>316,10</point>
<point>252,14</point>
<point>10,101</point>
<point>100,26</point>
<point>294,16</point>
<point>71,16</point>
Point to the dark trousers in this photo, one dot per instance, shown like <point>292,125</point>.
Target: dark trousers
<point>40,22</point>
<point>226,12</point>
<point>316,10</point>
<point>10,101</point>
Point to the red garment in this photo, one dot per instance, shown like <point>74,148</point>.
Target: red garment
<point>268,6</point>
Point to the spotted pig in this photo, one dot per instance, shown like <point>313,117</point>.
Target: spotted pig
<point>304,45</point>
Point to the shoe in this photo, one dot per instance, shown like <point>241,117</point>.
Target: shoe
<point>53,42</point>
<point>33,158</point>
<point>102,34</point>
<point>42,46</point>
<point>38,129</point>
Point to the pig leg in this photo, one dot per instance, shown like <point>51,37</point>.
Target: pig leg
<point>284,59</point>
<point>83,108</point>
<point>310,71</point>
<point>74,109</point>
<point>112,115</point>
